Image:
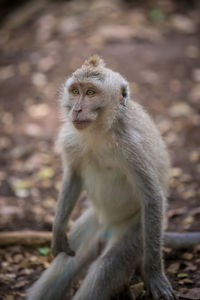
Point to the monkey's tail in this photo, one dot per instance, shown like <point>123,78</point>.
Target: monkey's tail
<point>181,240</point>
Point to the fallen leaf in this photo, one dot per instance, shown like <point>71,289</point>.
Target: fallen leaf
<point>7,72</point>
<point>195,211</point>
<point>189,194</point>
<point>46,173</point>
<point>183,23</point>
<point>157,15</point>
<point>193,294</point>
<point>175,172</point>
<point>196,75</point>
<point>188,281</point>
<point>173,268</point>
<point>194,94</point>
<point>18,258</point>
<point>39,79</point>
<point>115,32</point>
<point>46,63</point>
<point>197,248</point>
<point>20,284</point>
<point>24,68</point>
<point>180,109</point>
<point>33,130</point>
<point>182,275</point>
<point>38,110</point>
<point>44,251</point>
<point>9,297</point>
<point>187,256</point>
<point>22,184</point>
<point>190,266</point>
<point>188,220</point>
<point>49,203</point>
<point>192,51</point>
<point>176,212</point>
<point>138,289</point>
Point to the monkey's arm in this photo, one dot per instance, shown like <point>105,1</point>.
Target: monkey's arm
<point>152,198</point>
<point>71,187</point>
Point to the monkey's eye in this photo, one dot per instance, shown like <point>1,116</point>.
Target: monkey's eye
<point>75,91</point>
<point>90,92</point>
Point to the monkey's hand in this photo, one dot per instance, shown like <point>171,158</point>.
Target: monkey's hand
<point>159,287</point>
<point>60,244</point>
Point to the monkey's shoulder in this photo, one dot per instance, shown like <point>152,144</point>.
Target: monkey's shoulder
<point>141,130</point>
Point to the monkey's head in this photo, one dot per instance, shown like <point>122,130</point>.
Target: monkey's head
<point>94,95</point>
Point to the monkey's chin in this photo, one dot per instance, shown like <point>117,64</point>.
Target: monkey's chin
<point>81,124</point>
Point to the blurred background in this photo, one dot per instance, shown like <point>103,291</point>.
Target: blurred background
<point>155,45</point>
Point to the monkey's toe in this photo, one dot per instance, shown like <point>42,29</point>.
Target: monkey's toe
<point>160,287</point>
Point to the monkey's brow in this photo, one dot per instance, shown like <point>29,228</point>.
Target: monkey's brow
<point>90,74</point>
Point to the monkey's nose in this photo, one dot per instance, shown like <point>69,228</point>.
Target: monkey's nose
<point>76,115</point>
<point>77,109</point>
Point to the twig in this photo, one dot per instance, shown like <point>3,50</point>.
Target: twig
<point>28,238</point>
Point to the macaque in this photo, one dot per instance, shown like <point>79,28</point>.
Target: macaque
<point>112,149</point>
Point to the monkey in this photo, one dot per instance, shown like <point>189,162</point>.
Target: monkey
<point>110,147</point>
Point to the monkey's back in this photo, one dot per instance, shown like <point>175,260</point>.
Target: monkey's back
<point>147,134</point>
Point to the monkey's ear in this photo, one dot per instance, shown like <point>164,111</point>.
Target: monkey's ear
<point>124,94</point>
<point>94,61</point>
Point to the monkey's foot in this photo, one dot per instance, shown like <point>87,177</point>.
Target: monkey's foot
<point>160,287</point>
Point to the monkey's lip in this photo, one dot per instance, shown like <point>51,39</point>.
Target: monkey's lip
<point>81,124</point>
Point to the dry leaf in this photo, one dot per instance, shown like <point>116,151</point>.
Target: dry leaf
<point>46,173</point>
<point>193,294</point>
<point>173,268</point>
<point>187,256</point>
<point>138,289</point>
<point>182,275</point>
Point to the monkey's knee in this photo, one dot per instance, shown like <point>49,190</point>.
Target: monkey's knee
<point>85,226</point>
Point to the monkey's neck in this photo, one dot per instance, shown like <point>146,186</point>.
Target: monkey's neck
<point>119,124</point>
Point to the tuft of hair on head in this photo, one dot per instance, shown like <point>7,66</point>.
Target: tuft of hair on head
<point>94,61</point>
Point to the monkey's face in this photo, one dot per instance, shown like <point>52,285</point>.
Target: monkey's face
<point>84,103</point>
<point>94,95</point>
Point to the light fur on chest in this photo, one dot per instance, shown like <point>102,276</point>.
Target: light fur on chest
<point>112,195</point>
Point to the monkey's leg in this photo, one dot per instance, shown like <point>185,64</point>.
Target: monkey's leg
<point>113,269</point>
<point>55,281</point>
<point>84,227</point>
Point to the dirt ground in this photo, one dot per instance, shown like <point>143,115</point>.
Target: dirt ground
<point>157,49</point>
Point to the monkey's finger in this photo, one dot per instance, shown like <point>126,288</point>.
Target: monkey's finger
<point>70,252</point>
<point>155,294</point>
<point>174,296</point>
<point>168,294</point>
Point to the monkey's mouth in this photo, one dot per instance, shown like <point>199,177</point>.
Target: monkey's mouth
<point>81,124</point>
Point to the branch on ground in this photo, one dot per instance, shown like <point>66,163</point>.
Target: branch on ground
<point>33,238</point>
<point>27,238</point>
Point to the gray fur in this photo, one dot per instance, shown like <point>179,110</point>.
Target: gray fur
<point>120,159</point>
<point>56,280</point>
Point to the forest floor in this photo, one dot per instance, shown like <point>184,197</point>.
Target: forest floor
<point>158,51</point>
